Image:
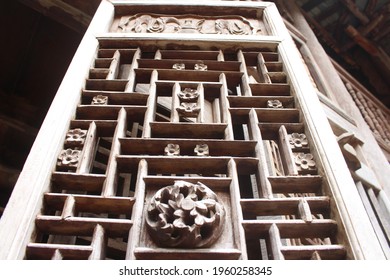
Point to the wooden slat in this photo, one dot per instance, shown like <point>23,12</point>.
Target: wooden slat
<point>270,89</point>
<point>110,184</point>
<point>114,66</point>
<point>106,85</point>
<point>116,98</point>
<point>258,101</point>
<point>143,253</point>
<point>175,165</point>
<point>79,182</point>
<point>99,243</point>
<point>275,242</point>
<point>91,203</point>
<point>266,115</point>
<point>291,228</point>
<point>282,206</point>
<point>189,64</point>
<point>188,130</point>
<point>326,252</point>
<point>135,146</point>
<point>82,226</point>
<point>109,112</point>
<point>214,183</point>
<point>269,131</point>
<point>299,184</point>
<point>286,153</point>
<point>104,128</point>
<point>89,149</point>
<point>46,251</point>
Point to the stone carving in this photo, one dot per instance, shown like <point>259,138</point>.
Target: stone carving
<point>189,110</point>
<point>172,150</point>
<point>305,162</point>
<point>68,158</point>
<point>185,215</point>
<point>274,104</point>
<point>76,137</point>
<point>100,100</point>
<point>298,141</point>
<point>188,94</point>
<point>202,150</point>
<point>200,67</point>
<point>179,66</point>
<point>155,23</point>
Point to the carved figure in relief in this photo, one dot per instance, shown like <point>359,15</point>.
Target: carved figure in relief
<point>185,215</point>
<point>274,104</point>
<point>202,150</point>
<point>69,158</point>
<point>156,23</point>
<point>76,137</point>
<point>190,110</point>
<point>305,162</point>
<point>99,100</point>
<point>298,140</point>
<point>188,94</point>
<point>172,150</point>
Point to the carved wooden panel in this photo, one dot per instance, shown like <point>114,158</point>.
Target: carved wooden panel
<point>211,140</point>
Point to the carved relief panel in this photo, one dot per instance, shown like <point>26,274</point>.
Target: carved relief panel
<point>157,23</point>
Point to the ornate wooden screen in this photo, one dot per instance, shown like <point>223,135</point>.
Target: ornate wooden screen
<point>186,146</point>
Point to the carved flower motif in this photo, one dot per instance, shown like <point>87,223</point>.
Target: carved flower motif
<point>298,140</point>
<point>275,104</point>
<point>172,150</point>
<point>76,136</point>
<point>69,158</point>
<point>189,110</point>
<point>179,66</point>
<point>202,150</point>
<point>200,67</point>
<point>156,25</point>
<point>99,100</point>
<point>188,94</point>
<point>185,215</point>
<point>305,161</point>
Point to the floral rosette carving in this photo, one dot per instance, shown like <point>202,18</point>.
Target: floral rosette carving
<point>69,158</point>
<point>202,150</point>
<point>305,162</point>
<point>298,140</point>
<point>185,215</point>
<point>99,100</point>
<point>76,137</point>
<point>188,95</point>
<point>172,150</point>
<point>179,66</point>
<point>200,67</point>
<point>274,104</point>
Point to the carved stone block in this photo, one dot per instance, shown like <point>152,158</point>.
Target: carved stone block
<point>185,215</point>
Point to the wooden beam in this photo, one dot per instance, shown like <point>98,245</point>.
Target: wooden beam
<point>356,11</point>
<point>61,12</point>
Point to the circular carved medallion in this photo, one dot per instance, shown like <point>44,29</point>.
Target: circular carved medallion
<point>185,215</point>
